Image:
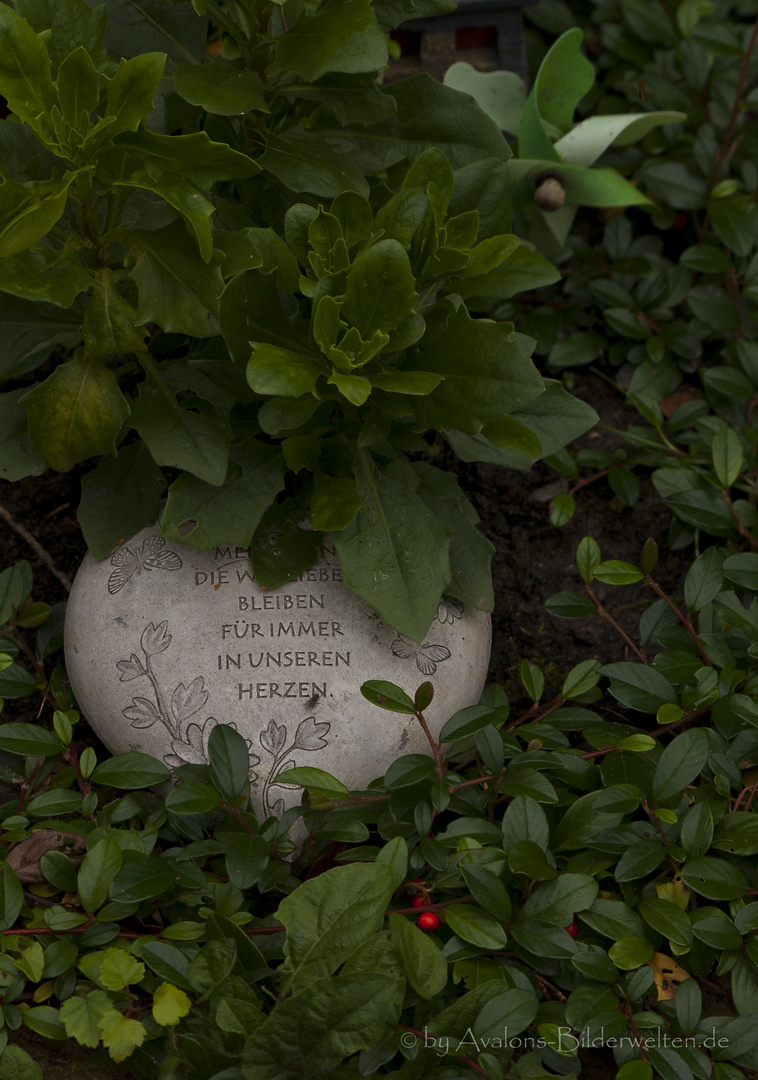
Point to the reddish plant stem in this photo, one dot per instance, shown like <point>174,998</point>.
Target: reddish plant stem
<point>681,617</point>
<point>741,526</point>
<point>606,615</point>
<point>656,734</point>
<point>736,106</point>
<point>434,745</point>
<point>587,480</point>
<point>627,1010</point>
<point>537,712</point>
<point>656,821</point>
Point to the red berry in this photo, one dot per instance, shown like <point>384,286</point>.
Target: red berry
<point>428,921</point>
<point>573,929</point>
<point>679,221</point>
<point>419,901</point>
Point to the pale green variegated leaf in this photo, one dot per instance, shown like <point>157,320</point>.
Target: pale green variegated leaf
<point>177,290</point>
<point>583,187</point>
<point>179,437</point>
<point>76,413</point>
<point>563,79</point>
<point>44,274</point>
<point>486,359</point>
<point>120,497</point>
<point>231,513</point>
<point>394,554</point>
<point>555,417</point>
<point>340,36</point>
<point>220,88</point>
<point>584,144</point>
<point>501,94</point>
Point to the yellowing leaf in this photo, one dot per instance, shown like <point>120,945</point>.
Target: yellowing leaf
<point>675,891</point>
<point>170,1004</point>
<point>121,1036</point>
<point>668,975</point>
<point>119,969</point>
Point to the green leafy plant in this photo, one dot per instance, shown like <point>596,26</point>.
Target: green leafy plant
<point>552,171</point>
<point>256,267</point>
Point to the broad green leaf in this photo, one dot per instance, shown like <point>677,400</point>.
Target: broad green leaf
<point>525,820</point>
<point>475,926</point>
<point>18,1065</point>
<point>29,212</point>
<point>19,456</point>
<point>406,382</point>
<point>170,1004</point>
<point>559,900</point>
<point>25,74</point>
<point>667,919</point>
<point>305,164</point>
<point>130,771</point>
<point>28,739</point>
<point>341,36</point>
<point>43,274</point>
<point>121,1036</point>
<point>523,271</point>
<point>334,503</point>
<point>513,1010</point>
<point>97,873</point>
<point>192,798</point>
<point>76,412</point>
<point>251,310</point>
<point>394,554</point>
<point>109,323</point>
<point>195,157</point>
<point>314,780</point>
<point>16,682</point>
<point>135,26</point>
<point>11,897</point>
<point>179,437</point>
<point>329,916</point>
<point>82,1016</point>
<point>507,433</point>
<point>569,605</point>
<point>333,1017</point>
<point>388,696</point>
<point>246,858</point>
<point>352,99</point>
<point>177,290</point>
<point>714,878</point>
<point>273,370</point>
<point>704,579</point>
<point>229,761</point>
<point>168,963</point>
<point>142,879</point>
<point>681,762</point>
<point>119,498</point>
<point>209,514</point>
<point>499,377</point>
<point>742,569</point>
<point>425,966</point>
<point>639,686</point>
<point>432,115</point>
<point>221,89</point>
<point>379,294</point>
<point>129,96</point>
<point>629,953</point>
<point>616,572</point>
<point>563,79</point>
<point>488,890</point>
<point>77,89</point>
<point>73,23</point>
<point>196,211</point>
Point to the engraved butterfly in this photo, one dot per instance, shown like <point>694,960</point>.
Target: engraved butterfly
<point>427,656</point>
<point>152,557</point>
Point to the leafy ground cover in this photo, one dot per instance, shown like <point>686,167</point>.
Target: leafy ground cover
<point>568,885</point>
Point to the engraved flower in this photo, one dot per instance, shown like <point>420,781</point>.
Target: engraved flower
<point>130,669</point>
<point>310,735</point>
<point>273,738</point>
<point>155,638</point>
<point>187,700</point>
<point>142,712</point>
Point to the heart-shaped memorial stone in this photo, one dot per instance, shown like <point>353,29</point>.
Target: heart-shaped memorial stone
<point>165,641</point>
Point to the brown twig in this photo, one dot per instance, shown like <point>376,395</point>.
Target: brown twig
<point>741,526</point>
<point>606,615</point>
<point>37,548</point>
<point>682,618</point>
<point>736,106</point>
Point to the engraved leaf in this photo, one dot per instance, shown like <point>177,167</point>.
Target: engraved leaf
<point>310,735</point>
<point>283,768</point>
<point>274,737</point>
<point>142,713</point>
<point>130,669</point>
<point>187,700</point>
<point>155,638</point>
<point>278,808</point>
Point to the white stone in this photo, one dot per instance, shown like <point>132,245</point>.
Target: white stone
<point>164,641</point>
